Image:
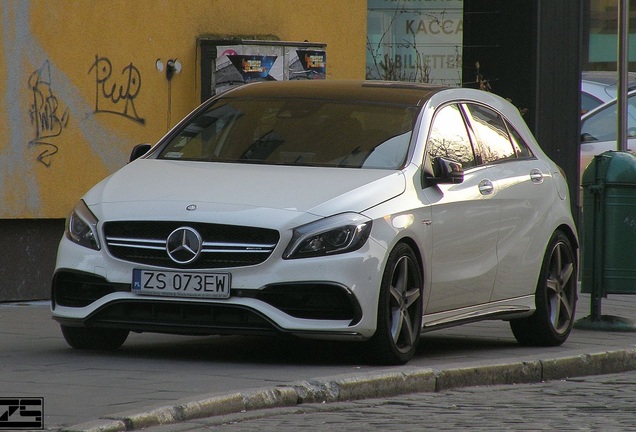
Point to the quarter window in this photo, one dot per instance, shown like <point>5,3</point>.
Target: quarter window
<point>521,148</point>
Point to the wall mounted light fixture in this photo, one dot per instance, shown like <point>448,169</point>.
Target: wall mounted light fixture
<point>173,66</point>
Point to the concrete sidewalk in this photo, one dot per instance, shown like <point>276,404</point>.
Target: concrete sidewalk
<point>242,376</point>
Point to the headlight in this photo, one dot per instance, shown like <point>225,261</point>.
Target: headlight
<point>81,227</point>
<point>333,235</point>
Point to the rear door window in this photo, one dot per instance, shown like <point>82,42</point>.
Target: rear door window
<point>491,133</point>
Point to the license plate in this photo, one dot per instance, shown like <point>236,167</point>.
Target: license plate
<point>181,284</point>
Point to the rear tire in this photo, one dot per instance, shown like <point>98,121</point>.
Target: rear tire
<point>94,338</point>
<point>555,297</point>
<point>399,309</point>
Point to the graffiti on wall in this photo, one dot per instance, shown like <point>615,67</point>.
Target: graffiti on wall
<point>46,114</point>
<point>116,94</point>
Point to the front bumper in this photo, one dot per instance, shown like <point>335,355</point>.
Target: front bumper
<point>120,308</point>
<point>328,297</point>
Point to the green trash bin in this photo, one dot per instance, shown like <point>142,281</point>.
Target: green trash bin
<point>609,225</point>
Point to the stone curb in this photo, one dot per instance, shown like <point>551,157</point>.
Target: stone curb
<point>377,385</point>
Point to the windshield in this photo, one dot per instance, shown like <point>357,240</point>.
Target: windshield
<point>281,131</point>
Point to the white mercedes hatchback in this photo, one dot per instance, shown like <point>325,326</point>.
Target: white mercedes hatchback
<point>362,211</point>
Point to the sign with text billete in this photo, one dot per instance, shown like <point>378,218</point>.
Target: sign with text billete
<point>22,413</point>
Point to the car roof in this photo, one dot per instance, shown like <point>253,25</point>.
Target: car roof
<point>605,77</point>
<point>365,91</point>
<point>604,84</point>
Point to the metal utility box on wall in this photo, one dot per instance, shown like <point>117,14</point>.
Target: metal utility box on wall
<point>230,63</point>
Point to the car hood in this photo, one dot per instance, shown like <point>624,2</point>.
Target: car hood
<point>158,189</point>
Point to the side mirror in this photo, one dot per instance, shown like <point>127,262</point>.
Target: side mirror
<point>446,170</point>
<point>138,151</point>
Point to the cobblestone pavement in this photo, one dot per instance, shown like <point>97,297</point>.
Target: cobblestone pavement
<point>597,403</point>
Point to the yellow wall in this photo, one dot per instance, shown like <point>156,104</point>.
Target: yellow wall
<point>79,85</point>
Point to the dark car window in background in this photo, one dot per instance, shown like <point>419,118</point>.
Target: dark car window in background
<point>492,134</point>
<point>601,125</point>
<point>449,137</point>
<point>589,102</point>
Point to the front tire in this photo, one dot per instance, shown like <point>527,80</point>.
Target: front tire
<point>399,309</point>
<point>94,338</point>
<point>555,297</point>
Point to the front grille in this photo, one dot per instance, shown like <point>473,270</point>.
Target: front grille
<point>181,318</point>
<point>224,246</point>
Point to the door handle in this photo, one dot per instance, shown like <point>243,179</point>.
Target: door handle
<point>536,176</point>
<point>486,187</point>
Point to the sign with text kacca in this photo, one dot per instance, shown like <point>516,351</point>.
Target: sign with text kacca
<point>415,40</point>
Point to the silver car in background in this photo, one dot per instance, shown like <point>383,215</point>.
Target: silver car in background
<point>599,129</point>
<point>598,87</point>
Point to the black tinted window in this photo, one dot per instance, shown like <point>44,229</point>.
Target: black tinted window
<point>285,131</point>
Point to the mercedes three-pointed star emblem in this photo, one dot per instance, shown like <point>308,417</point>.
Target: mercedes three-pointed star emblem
<point>184,245</point>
